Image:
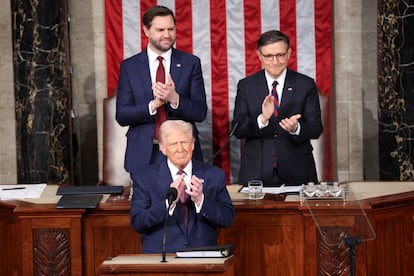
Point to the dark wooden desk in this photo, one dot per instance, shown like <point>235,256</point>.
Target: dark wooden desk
<point>270,237</point>
<point>150,265</point>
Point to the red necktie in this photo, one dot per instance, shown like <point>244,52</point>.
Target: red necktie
<point>161,112</point>
<point>274,93</point>
<point>184,201</point>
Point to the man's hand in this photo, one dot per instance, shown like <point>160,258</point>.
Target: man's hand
<point>196,190</point>
<point>165,92</point>
<point>178,184</point>
<point>268,107</point>
<point>290,124</point>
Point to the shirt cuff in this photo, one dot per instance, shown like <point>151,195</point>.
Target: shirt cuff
<point>259,122</point>
<point>149,110</point>
<point>297,130</point>
<point>175,106</point>
<point>198,208</point>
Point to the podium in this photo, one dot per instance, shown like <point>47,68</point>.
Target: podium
<point>151,265</point>
<point>347,227</point>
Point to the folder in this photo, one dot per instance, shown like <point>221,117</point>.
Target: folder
<point>217,251</point>
<point>83,201</point>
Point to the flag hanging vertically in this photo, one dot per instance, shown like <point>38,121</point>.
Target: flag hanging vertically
<point>223,33</point>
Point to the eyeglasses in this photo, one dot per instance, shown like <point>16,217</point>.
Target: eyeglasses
<point>279,57</point>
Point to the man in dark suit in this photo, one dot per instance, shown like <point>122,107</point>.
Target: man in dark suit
<point>277,111</point>
<point>142,95</point>
<point>202,195</point>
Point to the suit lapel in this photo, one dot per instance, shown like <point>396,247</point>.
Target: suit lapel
<point>288,90</point>
<point>143,73</point>
<point>164,178</point>
<point>176,66</point>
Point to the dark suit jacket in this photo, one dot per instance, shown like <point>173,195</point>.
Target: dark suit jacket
<point>295,162</point>
<point>135,92</point>
<point>148,209</point>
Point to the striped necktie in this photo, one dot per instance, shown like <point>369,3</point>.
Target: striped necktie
<point>274,93</point>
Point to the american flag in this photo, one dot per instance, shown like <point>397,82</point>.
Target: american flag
<point>223,33</point>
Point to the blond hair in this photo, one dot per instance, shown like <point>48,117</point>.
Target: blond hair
<point>173,125</point>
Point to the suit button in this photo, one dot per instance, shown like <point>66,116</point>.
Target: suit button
<point>275,136</point>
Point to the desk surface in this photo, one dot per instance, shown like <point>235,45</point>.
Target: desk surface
<point>361,189</point>
<point>263,231</point>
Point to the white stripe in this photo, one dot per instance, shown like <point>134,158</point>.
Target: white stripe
<point>236,70</point>
<point>305,37</point>
<point>167,3</point>
<point>270,15</point>
<point>130,23</point>
<point>202,49</point>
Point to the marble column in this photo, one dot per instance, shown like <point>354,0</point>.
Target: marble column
<point>396,89</point>
<point>42,91</point>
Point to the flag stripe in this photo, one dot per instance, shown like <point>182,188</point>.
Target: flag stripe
<point>202,49</point>
<point>130,21</point>
<point>305,37</point>
<point>219,82</point>
<point>288,26</point>
<point>252,29</point>
<point>114,43</point>
<point>236,59</point>
<point>224,35</point>
<point>184,24</point>
<point>323,49</point>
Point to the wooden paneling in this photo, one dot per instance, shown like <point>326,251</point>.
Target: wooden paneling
<point>269,237</point>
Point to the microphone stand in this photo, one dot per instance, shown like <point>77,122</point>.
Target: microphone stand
<point>351,242</point>
<point>171,196</point>
<point>226,142</point>
<point>164,237</point>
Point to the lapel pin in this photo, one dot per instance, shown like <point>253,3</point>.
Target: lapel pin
<point>178,65</point>
<point>290,88</point>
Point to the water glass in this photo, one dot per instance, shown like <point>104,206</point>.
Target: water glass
<point>255,189</point>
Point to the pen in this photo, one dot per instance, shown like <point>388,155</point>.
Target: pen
<point>16,188</point>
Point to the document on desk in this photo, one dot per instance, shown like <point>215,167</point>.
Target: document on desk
<point>276,190</point>
<point>21,191</point>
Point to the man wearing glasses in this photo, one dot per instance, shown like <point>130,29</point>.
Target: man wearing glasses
<point>277,111</point>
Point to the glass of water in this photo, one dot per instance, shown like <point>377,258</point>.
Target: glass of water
<point>255,189</point>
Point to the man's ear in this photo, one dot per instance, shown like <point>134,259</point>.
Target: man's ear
<point>146,31</point>
<point>162,149</point>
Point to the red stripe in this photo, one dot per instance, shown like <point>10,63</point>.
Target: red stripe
<point>288,26</point>
<point>323,48</point>
<point>219,83</point>
<point>114,43</point>
<point>145,5</point>
<point>252,31</point>
<point>184,16</point>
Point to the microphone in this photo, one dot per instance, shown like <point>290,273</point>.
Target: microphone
<point>226,142</point>
<point>170,196</point>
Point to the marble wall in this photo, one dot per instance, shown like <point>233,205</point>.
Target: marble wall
<point>42,91</point>
<point>396,89</point>
<point>355,92</point>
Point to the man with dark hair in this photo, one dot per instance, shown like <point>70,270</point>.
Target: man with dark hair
<point>157,84</point>
<point>278,113</point>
